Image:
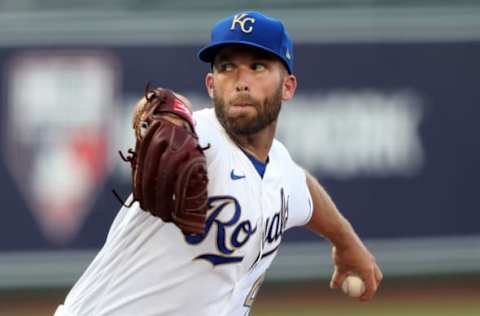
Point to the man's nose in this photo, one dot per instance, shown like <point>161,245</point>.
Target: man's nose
<point>242,87</point>
<point>242,84</point>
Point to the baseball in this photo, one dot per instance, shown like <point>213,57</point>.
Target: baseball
<point>353,286</point>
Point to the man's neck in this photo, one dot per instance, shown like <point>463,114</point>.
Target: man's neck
<point>258,144</point>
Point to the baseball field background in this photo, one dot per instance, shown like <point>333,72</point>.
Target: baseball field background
<point>385,116</point>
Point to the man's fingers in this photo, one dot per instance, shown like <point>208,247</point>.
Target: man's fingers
<point>337,279</point>
<point>372,282</point>
<point>333,282</point>
<point>371,286</point>
<point>378,274</point>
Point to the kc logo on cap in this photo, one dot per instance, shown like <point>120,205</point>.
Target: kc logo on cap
<point>242,19</point>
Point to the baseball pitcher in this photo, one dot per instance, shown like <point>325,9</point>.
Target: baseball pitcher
<point>214,192</point>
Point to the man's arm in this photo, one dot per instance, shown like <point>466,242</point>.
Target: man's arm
<point>349,254</point>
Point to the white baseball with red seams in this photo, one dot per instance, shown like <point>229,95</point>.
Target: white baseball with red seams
<point>353,286</point>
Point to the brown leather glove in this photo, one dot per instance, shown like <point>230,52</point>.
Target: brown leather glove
<point>169,169</point>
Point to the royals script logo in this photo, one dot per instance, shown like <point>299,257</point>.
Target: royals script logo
<point>232,233</point>
<point>58,118</point>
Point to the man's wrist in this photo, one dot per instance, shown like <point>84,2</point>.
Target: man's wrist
<point>344,237</point>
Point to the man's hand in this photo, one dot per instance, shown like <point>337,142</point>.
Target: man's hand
<point>356,259</point>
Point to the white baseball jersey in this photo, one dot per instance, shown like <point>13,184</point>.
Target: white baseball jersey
<point>148,267</point>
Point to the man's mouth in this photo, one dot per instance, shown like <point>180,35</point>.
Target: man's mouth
<point>242,105</point>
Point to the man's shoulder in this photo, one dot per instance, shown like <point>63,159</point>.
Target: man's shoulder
<point>206,114</point>
<point>281,157</point>
<point>279,149</point>
<point>208,129</point>
<point>204,121</point>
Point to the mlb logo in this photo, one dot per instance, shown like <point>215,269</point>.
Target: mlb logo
<point>57,126</point>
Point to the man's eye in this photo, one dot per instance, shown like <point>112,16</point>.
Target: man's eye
<point>226,66</point>
<point>258,67</point>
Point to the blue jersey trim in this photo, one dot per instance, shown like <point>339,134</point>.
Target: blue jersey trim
<point>259,165</point>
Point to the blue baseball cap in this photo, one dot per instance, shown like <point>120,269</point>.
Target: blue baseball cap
<point>250,28</point>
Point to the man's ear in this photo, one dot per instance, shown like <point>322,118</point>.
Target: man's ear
<point>289,87</point>
<point>209,84</point>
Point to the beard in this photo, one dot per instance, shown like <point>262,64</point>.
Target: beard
<point>246,124</point>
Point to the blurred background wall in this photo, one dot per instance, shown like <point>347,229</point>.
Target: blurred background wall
<point>385,116</point>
